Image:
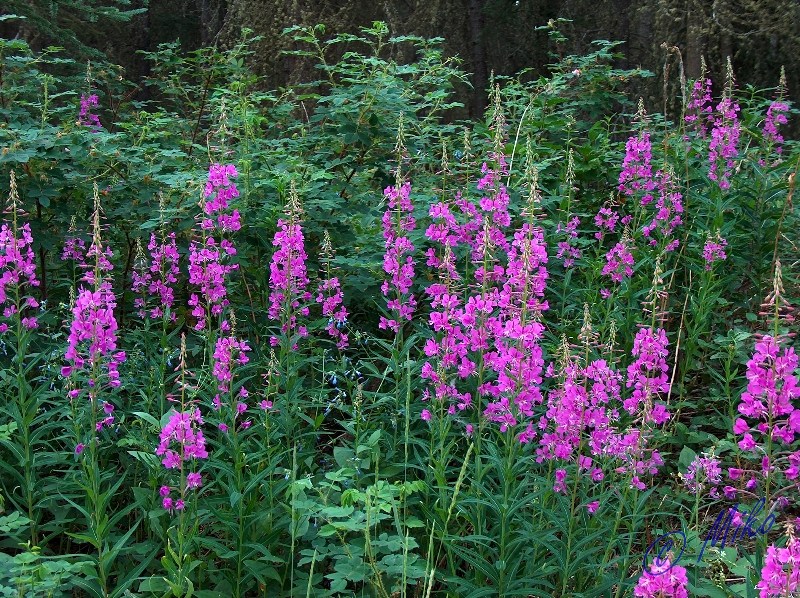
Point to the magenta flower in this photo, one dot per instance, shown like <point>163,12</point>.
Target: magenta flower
<point>288,278</point>
<point>91,352</point>
<point>637,170</point>
<point>517,357</point>
<point>208,270</point>
<point>722,149</point>
<point>74,249</point>
<point>218,193</point>
<point>699,111</point>
<point>780,575</point>
<point>559,486</point>
<point>17,271</point>
<point>662,581</point>
<point>648,375</point>
<point>567,251</point>
<point>771,392</point>
<point>667,212</point>
<point>208,258</point>
<point>93,333</point>
<point>158,279</point>
<point>776,116</point>
<point>86,118</point>
<point>330,295</point>
<point>398,262</point>
<point>703,472</point>
<point>714,251</point>
<point>619,262</point>
<point>606,220</point>
<point>182,439</point>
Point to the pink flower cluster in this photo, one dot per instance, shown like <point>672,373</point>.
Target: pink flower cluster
<point>208,270</point>
<point>86,118</point>
<point>498,323</point>
<point>228,353</point>
<point>17,272</point>
<point>583,411</point>
<point>699,107</point>
<point>722,149</point>
<point>647,375</point>
<point>703,472</point>
<point>92,342</point>
<point>637,179</point>
<point>619,262</point>
<point>516,357</point>
<point>93,337</point>
<point>772,390</point>
<point>566,249</point>
<point>289,279</point>
<point>714,251</point>
<point>606,219</point>
<point>662,581</point>
<point>182,429</point>
<point>637,170</point>
<point>780,575</point>
<point>586,402</point>
<point>157,279</point>
<point>208,267</point>
<point>218,192</point>
<point>74,249</point>
<point>329,294</point>
<point>776,116</point>
<point>668,209</point>
<point>398,263</point>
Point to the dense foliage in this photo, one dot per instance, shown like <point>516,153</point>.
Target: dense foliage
<point>325,342</point>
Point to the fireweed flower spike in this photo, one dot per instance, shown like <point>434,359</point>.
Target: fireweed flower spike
<point>703,473</point>
<point>17,264</point>
<point>776,116</point>
<point>329,294</point>
<point>86,118</point>
<point>662,581</point>
<point>183,430</point>
<point>74,246</point>
<point>518,357</point>
<point>157,278</point>
<point>92,341</point>
<point>619,260</point>
<point>398,262</point>
<point>770,398</point>
<point>699,111</point>
<point>668,209</point>
<point>208,257</point>
<point>722,149</point>
<point>637,170</point>
<point>182,445</point>
<point>714,250</point>
<point>780,575</point>
<point>288,277</point>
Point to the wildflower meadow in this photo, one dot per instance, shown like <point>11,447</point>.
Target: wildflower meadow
<point>330,341</point>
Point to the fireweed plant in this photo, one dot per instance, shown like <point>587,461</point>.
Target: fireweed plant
<point>544,337</point>
<point>92,373</point>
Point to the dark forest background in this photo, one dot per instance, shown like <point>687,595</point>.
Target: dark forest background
<point>497,36</point>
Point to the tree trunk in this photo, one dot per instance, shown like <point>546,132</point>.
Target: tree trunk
<point>480,77</point>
